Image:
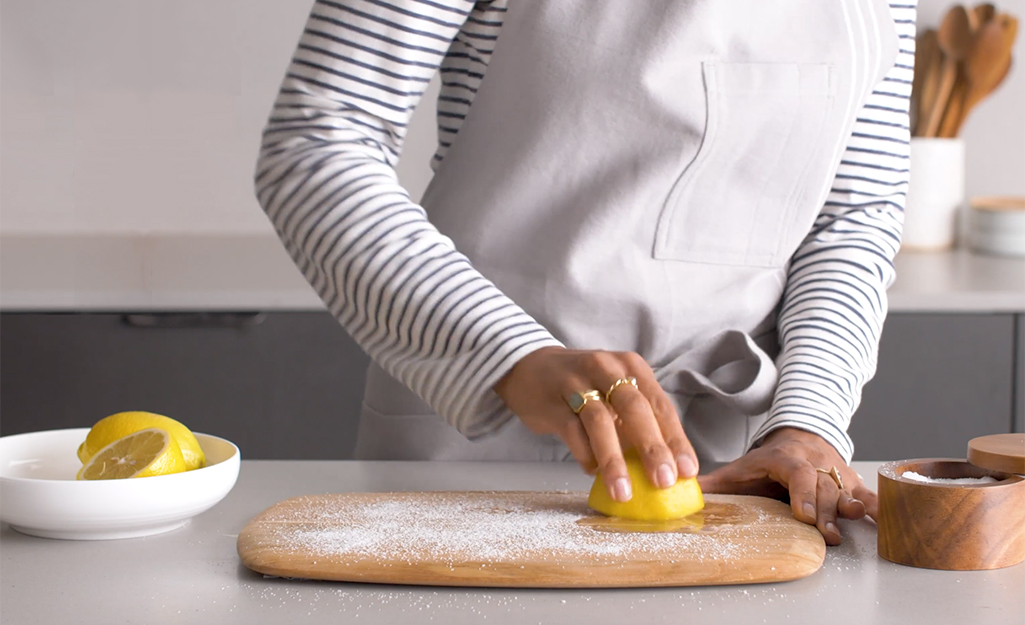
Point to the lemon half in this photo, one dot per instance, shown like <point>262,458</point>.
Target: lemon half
<point>649,503</point>
<point>120,425</point>
<point>141,454</point>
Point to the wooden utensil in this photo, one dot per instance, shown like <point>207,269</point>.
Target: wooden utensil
<point>954,38</point>
<point>525,539</point>
<point>977,18</point>
<point>1000,452</point>
<point>952,527</point>
<point>984,12</point>
<point>928,58</point>
<point>987,64</point>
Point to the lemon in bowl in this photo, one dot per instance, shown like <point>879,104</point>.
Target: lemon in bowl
<point>145,453</point>
<point>42,497</point>
<point>117,426</point>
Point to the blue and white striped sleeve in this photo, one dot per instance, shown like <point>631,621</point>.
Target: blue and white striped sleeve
<point>834,304</point>
<point>326,178</point>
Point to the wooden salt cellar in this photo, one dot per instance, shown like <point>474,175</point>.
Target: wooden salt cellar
<point>960,527</point>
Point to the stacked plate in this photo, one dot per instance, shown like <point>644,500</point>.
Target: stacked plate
<point>996,225</point>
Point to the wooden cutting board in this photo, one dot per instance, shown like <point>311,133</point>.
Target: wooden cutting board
<point>525,539</point>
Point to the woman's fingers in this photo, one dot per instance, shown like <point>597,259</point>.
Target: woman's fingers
<point>803,483</point>
<point>826,499</point>
<point>669,423</point>
<point>575,437</point>
<point>850,507</point>
<point>599,424</point>
<point>540,389</point>
<point>643,432</point>
<point>638,423</point>
<point>867,497</point>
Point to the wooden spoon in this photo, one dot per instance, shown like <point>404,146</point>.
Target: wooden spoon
<point>927,76</point>
<point>988,63</point>
<point>984,12</point>
<point>954,113</point>
<point>955,37</point>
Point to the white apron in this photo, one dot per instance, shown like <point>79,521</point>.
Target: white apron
<point>636,175</point>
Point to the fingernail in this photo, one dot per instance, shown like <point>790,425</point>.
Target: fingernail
<point>665,476</point>
<point>809,510</point>
<point>831,527</point>
<point>621,490</point>
<point>688,468</point>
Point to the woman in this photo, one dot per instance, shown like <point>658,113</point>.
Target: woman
<point>667,228</point>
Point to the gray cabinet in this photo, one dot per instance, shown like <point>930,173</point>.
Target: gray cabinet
<point>942,380</point>
<point>1019,375</point>
<point>280,385</point>
<point>289,384</point>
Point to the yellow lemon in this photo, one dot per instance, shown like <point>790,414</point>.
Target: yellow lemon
<point>649,503</point>
<point>141,454</point>
<point>116,426</point>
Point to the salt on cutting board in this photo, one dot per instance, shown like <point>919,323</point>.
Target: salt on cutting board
<point>525,539</point>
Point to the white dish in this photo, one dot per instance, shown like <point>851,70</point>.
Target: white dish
<point>40,495</point>
<point>997,225</point>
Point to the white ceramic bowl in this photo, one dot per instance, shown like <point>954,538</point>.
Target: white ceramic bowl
<point>997,225</point>
<point>39,494</point>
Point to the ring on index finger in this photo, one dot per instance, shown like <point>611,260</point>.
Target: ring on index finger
<point>620,382</point>
<point>577,401</point>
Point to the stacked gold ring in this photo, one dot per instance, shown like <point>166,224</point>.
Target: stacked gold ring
<point>577,401</point>
<point>833,473</point>
<point>632,381</point>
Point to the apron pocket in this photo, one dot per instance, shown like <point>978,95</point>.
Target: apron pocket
<point>764,124</point>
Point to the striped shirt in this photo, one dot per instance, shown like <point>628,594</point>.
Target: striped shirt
<point>326,178</point>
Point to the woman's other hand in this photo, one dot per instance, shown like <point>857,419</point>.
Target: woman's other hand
<point>539,388</point>
<point>787,461</point>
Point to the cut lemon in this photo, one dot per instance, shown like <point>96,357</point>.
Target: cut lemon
<point>120,425</point>
<point>141,454</point>
<point>649,503</point>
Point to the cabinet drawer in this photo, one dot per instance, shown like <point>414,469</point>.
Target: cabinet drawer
<point>280,385</point>
<point>942,380</point>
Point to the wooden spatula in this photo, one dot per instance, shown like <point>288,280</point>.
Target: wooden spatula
<point>955,37</point>
<point>928,58</point>
<point>987,64</point>
<point>978,17</point>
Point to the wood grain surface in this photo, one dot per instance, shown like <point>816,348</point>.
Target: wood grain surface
<point>950,526</point>
<point>525,539</point>
<point>998,452</point>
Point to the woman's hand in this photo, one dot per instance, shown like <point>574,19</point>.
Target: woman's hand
<point>786,461</point>
<point>538,389</point>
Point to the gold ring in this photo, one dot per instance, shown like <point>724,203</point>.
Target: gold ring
<point>833,473</point>
<point>577,401</point>
<point>620,382</point>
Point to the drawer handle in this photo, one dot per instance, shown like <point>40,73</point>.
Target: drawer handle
<point>239,321</point>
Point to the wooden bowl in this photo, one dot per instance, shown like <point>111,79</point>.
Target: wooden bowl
<point>955,527</point>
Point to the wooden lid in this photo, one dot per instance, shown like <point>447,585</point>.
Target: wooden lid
<point>998,452</point>
<point>998,203</point>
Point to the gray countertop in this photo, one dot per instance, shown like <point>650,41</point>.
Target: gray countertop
<point>193,575</point>
<point>252,272</point>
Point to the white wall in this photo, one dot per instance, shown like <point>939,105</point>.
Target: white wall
<point>144,115</point>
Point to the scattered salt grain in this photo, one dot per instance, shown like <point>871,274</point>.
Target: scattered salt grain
<point>458,529</point>
<point>918,477</point>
